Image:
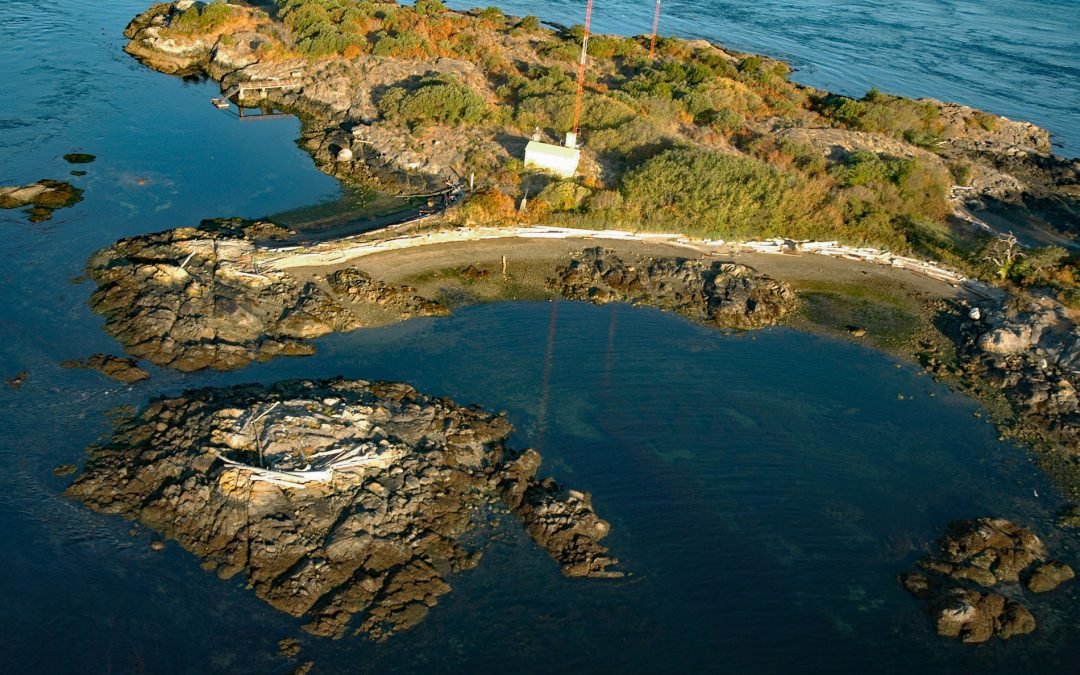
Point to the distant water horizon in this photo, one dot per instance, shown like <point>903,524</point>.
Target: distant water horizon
<point>1016,58</point>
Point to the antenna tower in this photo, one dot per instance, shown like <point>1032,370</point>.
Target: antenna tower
<point>581,67</point>
<point>655,25</point>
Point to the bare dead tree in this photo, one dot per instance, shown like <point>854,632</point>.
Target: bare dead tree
<point>1003,254</point>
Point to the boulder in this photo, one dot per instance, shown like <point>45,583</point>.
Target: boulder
<point>118,368</point>
<point>1048,576</point>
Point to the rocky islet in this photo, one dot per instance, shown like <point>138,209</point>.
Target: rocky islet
<point>43,197</point>
<point>375,531</point>
<point>983,553</point>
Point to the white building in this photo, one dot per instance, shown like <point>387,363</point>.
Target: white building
<point>558,159</point>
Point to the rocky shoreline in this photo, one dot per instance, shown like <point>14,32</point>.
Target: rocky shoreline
<point>368,539</point>
<point>195,298</point>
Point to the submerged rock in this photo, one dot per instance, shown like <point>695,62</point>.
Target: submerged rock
<point>335,499</point>
<point>728,295</point>
<point>116,367</point>
<point>195,298</point>
<point>1070,517</point>
<point>17,380</point>
<point>79,158</point>
<point>44,197</point>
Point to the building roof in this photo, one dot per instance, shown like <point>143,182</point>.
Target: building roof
<point>552,150</point>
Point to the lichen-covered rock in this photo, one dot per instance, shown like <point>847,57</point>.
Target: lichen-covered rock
<point>728,295</point>
<point>1027,346</point>
<point>194,298</point>
<point>337,500</point>
<point>116,367</point>
<point>1048,576</point>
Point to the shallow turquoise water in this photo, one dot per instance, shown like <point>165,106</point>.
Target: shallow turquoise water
<point>764,489</point>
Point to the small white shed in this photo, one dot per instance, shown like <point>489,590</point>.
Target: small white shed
<point>558,159</point>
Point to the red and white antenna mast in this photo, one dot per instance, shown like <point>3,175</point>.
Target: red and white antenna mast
<point>581,72</point>
<point>655,25</point>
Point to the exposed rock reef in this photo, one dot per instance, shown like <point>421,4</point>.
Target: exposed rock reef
<point>372,532</point>
<point>726,295</point>
<point>116,367</point>
<point>195,298</point>
<point>983,551</point>
<point>43,197</point>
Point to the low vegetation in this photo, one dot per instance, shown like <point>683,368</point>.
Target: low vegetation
<point>442,100</point>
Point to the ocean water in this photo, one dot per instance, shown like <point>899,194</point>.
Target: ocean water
<point>764,489</point>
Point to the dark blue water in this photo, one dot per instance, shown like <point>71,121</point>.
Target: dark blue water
<point>764,490</point>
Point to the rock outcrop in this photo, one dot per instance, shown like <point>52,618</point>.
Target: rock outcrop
<point>1048,576</point>
<point>984,552</point>
<point>335,499</point>
<point>195,298</point>
<point>726,295</point>
<point>1028,348</point>
<point>43,197</point>
<point>116,367</point>
<point>967,614</point>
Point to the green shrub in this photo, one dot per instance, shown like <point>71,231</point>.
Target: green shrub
<point>564,195</point>
<point>442,100</point>
<point>529,24</point>
<point>404,45</point>
<point>560,51</point>
<point>202,19</point>
<point>429,7</point>
<point>706,193</point>
<point>913,121</point>
<point>610,46</point>
<point>961,172</point>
